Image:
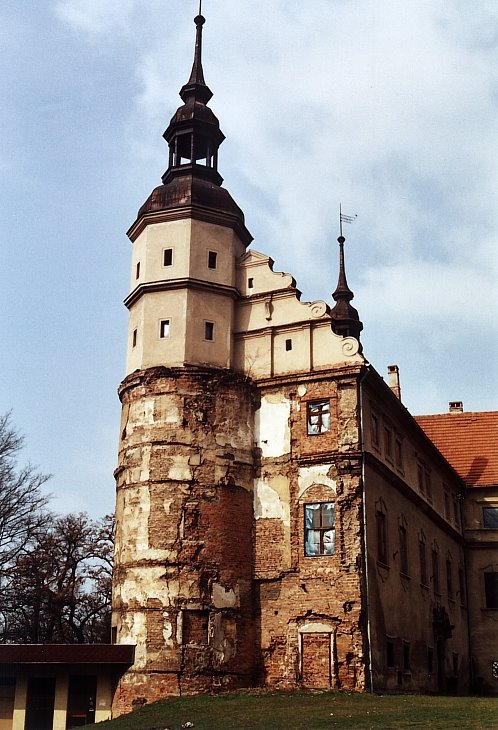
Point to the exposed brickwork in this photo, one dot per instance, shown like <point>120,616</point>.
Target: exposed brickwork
<point>314,600</point>
<point>183,577</point>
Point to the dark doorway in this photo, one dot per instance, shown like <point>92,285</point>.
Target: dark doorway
<point>81,701</point>
<point>40,703</point>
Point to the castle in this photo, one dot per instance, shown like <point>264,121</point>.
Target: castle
<point>281,518</point>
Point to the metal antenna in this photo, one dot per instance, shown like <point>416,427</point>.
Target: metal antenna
<point>200,7</point>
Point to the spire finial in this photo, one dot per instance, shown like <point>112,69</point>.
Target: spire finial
<point>196,86</point>
<point>345,319</point>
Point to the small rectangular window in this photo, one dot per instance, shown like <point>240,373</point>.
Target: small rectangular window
<point>168,257</point>
<point>250,283</point>
<point>398,452</point>
<point>428,485</point>
<point>318,417</point>
<point>137,270</point>
<point>423,562</point>
<point>435,571</point>
<point>456,512</point>
<point>491,589</point>
<point>391,662</point>
<point>381,538</point>
<point>209,331</point>
<point>319,529</point>
<point>420,478</point>
<point>446,505</point>
<point>164,328</point>
<point>490,517</point>
<point>288,345</point>
<point>449,578</point>
<point>212,259</point>
<point>388,442</point>
<point>375,430</point>
<point>134,338</point>
<point>403,550</point>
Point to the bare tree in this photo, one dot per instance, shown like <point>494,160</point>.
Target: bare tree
<point>60,590</point>
<point>55,571</point>
<point>22,502</point>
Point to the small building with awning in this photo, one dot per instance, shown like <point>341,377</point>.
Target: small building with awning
<point>59,686</point>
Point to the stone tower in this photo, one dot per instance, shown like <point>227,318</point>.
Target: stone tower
<point>184,515</point>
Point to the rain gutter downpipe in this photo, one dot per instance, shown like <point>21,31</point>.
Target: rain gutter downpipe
<point>365,544</point>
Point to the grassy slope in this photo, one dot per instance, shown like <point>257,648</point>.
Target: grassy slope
<point>311,711</point>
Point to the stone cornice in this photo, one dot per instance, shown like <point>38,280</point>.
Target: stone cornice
<point>196,212</point>
<point>181,283</point>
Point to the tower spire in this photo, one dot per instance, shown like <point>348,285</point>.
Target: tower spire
<point>196,86</point>
<point>345,318</point>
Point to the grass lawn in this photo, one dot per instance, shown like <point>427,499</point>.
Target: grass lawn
<point>265,710</point>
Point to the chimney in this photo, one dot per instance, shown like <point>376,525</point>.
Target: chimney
<point>393,372</point>
<point>456,406</point>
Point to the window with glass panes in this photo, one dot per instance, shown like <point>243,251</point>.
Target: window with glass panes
<point>319,529</point>
<point>490,517</point>
<point>318,417</point>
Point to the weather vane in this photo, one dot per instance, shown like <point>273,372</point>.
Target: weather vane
<point>343,218</point>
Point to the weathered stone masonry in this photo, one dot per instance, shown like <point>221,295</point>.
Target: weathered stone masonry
<point>183,584</point>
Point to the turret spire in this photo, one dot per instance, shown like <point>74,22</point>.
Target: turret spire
<point>194,134</point>
<point>196,86</point>
<point>345,318</point>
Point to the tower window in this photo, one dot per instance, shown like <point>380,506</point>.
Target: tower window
<point>490,517</point>
<point>168,257</point>
<point>319,529</point>
<point>164,328</point>
<point>250,283</point>
<point>288,345</point>
<point>137,271</point>
<point>318,417</point>
<point>209,331</point>
<point>212,259</point>
<point>491,589</point>
<point>134,338</point>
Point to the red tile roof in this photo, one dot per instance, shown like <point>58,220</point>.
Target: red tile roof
<point>469,441</point>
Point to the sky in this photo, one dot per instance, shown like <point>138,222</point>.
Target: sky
<point>387,107</point>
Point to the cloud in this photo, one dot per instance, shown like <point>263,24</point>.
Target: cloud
<point>96,17</point>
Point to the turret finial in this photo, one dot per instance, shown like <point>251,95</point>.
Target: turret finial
<point>345,319</point>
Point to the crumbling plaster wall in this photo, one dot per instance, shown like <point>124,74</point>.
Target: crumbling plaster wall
<point>307,604</point>
<point>183,556</point>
